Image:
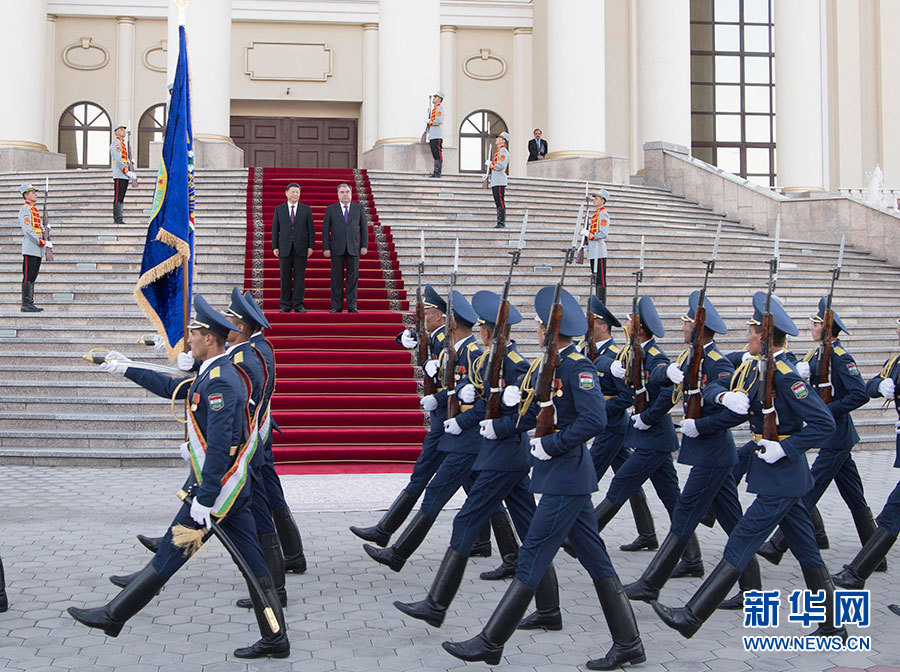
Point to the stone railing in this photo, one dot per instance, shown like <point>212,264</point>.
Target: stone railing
<point>819,216</point>
<point>889,196</point>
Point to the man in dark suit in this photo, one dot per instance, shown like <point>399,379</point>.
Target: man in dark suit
<point>293,240</point>
<point>537,148</point>
<point>345,238</point>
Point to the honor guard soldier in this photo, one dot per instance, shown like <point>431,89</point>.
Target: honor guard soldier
<point>834,461</point>
<point>778,475</point>
<point>608,449</point>
<point>122,172</point>
<point>595,235</point>
<point>873,553</point>
<point>565,477</point>
<point>498,165</point>
<point>34,245</point>
<point>435,126</point>
<point>706,445</point>
<point>219,451</point>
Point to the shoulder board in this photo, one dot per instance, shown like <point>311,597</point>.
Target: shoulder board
<point>472,347</point>
<point>515,356</point>
<point>575,355</point>
<point>783,367</point>
<point>238,358</point>
<point>654,351</point>
<point>215,372</point>
<point>810,354</point>
<point>714,355</point>
<point>838,350</point>
<point>614,348</point>
<point>440,336</point>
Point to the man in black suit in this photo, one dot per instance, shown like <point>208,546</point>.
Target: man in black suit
<point>345,238</point>
<point>537,148</point>
<point>293,240</point>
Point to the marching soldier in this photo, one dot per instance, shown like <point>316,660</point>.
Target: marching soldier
<point>122,172</point>
<point>435,126</point>
<point>498,165</point>
<point>219,452</point>
<point>563,473</point>
<point>34,245</point>
<point>778,475</point>
<point>596,235</point>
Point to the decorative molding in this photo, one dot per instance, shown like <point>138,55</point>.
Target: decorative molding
<point>162,46</point>
<point>86,44</point>
<point>483,57</point>
<point>288,61</point>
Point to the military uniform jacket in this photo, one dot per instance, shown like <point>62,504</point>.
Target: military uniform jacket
<point>510,450</point>
<point>848,392</point>
<point>715,445</point>
<point>580,415</point>
<point>436,342</point>
<point>251,362</point>
<point>436,123</point>
<point>499,163</point>
<point>218,399</point>
<point>33,242</point>
<point>661,435</point>
<point>803,423</point>
<point>469,441</point>
<point>618,399</point>
<point>118,154</point>
<point>598,232</point>
<point>891,369</point>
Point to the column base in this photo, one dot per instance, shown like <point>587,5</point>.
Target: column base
<point>610,169</point>
<point>207,154</point>
<point>415,157</point>
<point>21,159</point>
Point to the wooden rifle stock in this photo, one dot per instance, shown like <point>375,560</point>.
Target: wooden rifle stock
<point>770,422</point>
<point>636,375</point>
<point>422,353</point>
<point>825,350</point>
<point>495,363</point>
<point>590,345</point>
<point>547,374</point>
<point>450,370</point>
<point>692,397</point>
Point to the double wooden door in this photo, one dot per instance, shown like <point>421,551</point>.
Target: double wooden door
<point>292,142</point>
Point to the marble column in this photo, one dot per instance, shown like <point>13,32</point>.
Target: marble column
<point>448,86</point>
<point>369,111</point>
<point>125,73</point>
<point>50,120</point>
<point>523,98</point>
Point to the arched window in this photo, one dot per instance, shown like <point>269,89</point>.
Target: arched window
<point>85,133</point>
<point>476,135</point>
<point>151,128</point>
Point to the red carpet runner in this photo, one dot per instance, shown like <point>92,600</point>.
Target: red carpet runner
<point>345,397</point>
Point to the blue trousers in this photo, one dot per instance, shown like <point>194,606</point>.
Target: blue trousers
<point>758,522</point>
<point>558,517</point>
<point>259,502</point>
<point>237,524</point>
<point>270,480</point>
<point>889,518</point>
<point>489,490</point>
<point>608,450</point>
<point>454,472</point>
<point>744,453</point>
<point>837,466</point>
<point>706,488</point>
<point>426,465</point>
<point>641,465</point>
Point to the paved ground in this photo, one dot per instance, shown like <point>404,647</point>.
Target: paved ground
<point>63,531</point>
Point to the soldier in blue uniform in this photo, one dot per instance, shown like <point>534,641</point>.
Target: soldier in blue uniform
<point>834,461</point>
<point>885,385</point>
<point>565,476</point>
<point>778,475</point>
<point>608,449</point>
<point>219,452</point>
<point>502,468</point>
<point>706,445</point>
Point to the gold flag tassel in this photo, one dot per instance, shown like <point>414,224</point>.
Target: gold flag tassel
<point>188,538</point>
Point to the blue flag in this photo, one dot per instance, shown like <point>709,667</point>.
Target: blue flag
<point>168,261</point>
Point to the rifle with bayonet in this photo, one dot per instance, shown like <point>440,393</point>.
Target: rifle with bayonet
<point>635,353</point>
<point>422,352</point>
<point>500,336</point>
<point>766,390</point>
<point>424,137</point>
<point>450,348</point>
<point>696,353</point>
<point>547,370</point>
<point>825,346</point>
<point>486,180</point>
<point>133,180</point>
<point>45,222</point>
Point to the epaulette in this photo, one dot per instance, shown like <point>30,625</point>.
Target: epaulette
<point>576,356</point>
<point>515,357</point>
<point>238,358</point>
<point>838,350</point>
<point>784,367</point>
<point>441,336</point>
<point>614,348</point>
<point>215,372</point>
<point>472,346</point>
<point>653,351</point>
<point>714,355</point>
<point>810,354</point>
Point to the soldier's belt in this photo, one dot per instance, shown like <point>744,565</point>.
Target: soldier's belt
<point>758,437</point>
<point>609,396</point>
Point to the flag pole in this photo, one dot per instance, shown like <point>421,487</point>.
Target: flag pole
<point>186,299</point>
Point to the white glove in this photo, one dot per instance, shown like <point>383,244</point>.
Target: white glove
<point>638,423</point>
<point>115,356</point>
<point>675,374</point>
<point>451,426</point>
<point>738,402</point>
<point>886,388</point>
<point>429,403</point>
<point>408,339</point>
<point>131,175</point>
<point>512,395</point>
<point>746,356</point>
<point>537,449</point>
<point>159,344</point>
<point>803,369</point>
<point>617,370</point>
<point>897,427</point>
<point>487,430</point>
<point>114,366</point>
<point>467,393</point>
<point>48,245</point>
<point>774,451</point>
<point>185,361</point>
<point>584,232</point>
<point>689,428</point>
<point>185,451</point>
<point>201,514</point>
<point>487,162</point>
<point>431,368</point>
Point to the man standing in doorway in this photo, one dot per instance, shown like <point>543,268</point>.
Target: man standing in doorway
<point>293,241</point>
<point>345,238</point>
<point>537,147</point>
<point>122,171</point>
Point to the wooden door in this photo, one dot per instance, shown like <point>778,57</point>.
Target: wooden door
<point>292,142</point>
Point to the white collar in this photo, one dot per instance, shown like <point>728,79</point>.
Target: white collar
<point>600,344</point>
<point>645,342</point>
<point>778,352</point>
<point>460,342</point>
<point>208,362</point>
<point>437,330</point>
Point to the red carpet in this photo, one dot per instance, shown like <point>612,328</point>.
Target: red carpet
<point>345,396</point>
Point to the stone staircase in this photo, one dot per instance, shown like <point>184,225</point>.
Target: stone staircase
<point>679,236</point>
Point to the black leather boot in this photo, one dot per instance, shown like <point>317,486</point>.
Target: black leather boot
<point>546,615</point>
<point>438,165</point>
<point>482,546</point>
<point>122,580</point>
<point>643,521</point>
<point>134,597</point>
<point>691,561</point>
<point>118,213</point>
<point>501,219</point>
<point>272,644</point>
<point>396,556</point>
<point>271,550</point>
<point>627,646</point>
<point>688,619</point>
<point>658,571</point>
<point>817,578</point>
<point>4,601</point>
<point>488,644</point>
<point>750,580</point>
<point>865,528</point>
<point>508,547</point>
<point>709,520</point>
<point>443,589</point>
<point>604,511</point>
<point>390,522</point>
<point>819,527</point>
<point>854,575</point>
<point>150,543</point>
<point>773,550</point>
<point>291,543</point>
<point>28,299</point>
<point>894,608</point>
